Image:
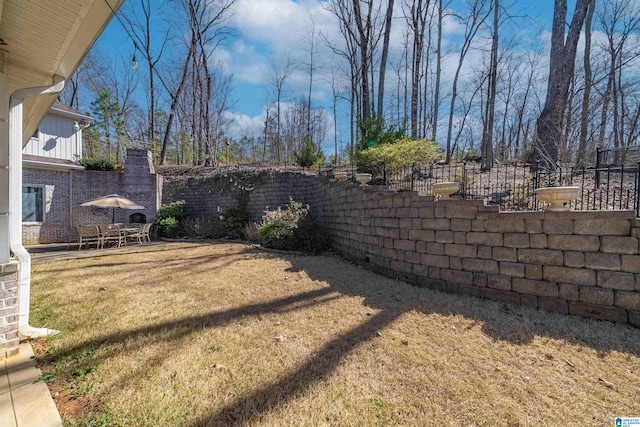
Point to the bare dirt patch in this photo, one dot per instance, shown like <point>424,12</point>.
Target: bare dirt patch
<point>198,334</point>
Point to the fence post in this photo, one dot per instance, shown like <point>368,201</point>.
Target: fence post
<point>598,161</point>
<point>384,173</point>
<point>464,180</point>
<point>413,173</point>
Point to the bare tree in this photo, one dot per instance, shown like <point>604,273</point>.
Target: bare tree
<point>436,96</point>
<point>385,54</point>
<point>312,68</point>
<point>619,20</point>
<point>588,76</point>
<point>486,148</point>
<point>360,27</point>
<point>207,26</point>
<point>139,20</point>
<point>477,14</point>
<point>561,70</point>
<point>416,15</point>
<point>280,71</point>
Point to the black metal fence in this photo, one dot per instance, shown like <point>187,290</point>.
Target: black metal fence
<point>618,157</point>
<point>512,186</point>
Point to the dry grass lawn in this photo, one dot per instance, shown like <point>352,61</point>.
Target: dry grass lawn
<point>195,334</point>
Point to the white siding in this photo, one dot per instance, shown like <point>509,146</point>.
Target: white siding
<point>56,139</point>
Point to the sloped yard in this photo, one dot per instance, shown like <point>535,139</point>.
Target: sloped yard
<point>199,334</point>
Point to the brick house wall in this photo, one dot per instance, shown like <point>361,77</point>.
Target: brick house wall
<point>66,190</point>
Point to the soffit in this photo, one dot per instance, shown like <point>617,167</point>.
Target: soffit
<point>46,38</point>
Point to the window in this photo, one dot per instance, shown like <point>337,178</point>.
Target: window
<point>32,204</point>
<point>36,134</point>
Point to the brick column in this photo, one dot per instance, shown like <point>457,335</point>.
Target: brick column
<point>8,309</point>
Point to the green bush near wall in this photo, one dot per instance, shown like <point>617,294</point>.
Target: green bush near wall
<point>169,217</point>
<point>292,229</point>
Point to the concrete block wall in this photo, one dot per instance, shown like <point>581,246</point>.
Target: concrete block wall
<point>209,195</point>
<point>8,309</point>
<point>278,191</point>
<point>579,262</point>
<point>582,263</point>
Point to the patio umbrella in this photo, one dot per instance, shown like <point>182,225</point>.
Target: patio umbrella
<point>112,201</point>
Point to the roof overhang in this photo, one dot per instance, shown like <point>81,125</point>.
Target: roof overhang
<point>74,115</point>
<point>39,162</point>
<point>47,38</point>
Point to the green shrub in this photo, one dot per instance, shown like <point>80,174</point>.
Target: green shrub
<point>170,227</point>
<point>177,210</point>
<point>309,155</point>
<point>234,220</point>
<point>101,165</point>
<point>377,131</point>
<point>403,153</point>
<point>169,217</point>
<point>292,229</point>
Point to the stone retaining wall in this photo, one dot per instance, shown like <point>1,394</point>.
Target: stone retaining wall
<point>581,263</point>
<point>212,195</point>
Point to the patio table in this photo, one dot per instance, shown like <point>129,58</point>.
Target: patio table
<point>130,233</point>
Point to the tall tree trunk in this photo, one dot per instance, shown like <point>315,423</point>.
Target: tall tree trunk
<point>588,76</point>
<point>417,24</point>
<point>436,96</point>
<point>561,69</point>
<point>174,104</point>
<point>364,31</point>
<point>487,135</point>
<point>383,59</point>
<point>474,21</point>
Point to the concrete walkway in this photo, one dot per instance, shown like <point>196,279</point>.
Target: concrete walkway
<point>24,402</point>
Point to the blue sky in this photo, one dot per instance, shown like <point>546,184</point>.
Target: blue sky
<point>269,30</point>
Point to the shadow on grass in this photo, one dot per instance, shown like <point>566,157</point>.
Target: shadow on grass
<point>317,368</point>
<point>500,321</point>
<point>186,325</point>
<point>503,322</point>
<point>176,257</point>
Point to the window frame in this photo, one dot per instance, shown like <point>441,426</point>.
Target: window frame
<point>43,202</point>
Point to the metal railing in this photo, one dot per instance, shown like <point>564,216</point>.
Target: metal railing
<point>512,186</point>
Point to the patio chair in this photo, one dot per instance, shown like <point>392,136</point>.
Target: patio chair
<point>72,236</point>
<point>144,234</point>
<point>132,233</point>
<point>88,235</point>
<point>110,233</point>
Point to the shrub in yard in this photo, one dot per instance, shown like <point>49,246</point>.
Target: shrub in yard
<point>101,165</point>
<point>203,227</point>
<point>250,232</point>
<point>292,228</point>
<point>234,220</point>
<point>169,227</point>
<point>168,218</point>
<point>309,154</point>
<point>399,154</point>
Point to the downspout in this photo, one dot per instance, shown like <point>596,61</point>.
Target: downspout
<point>15,203</point>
